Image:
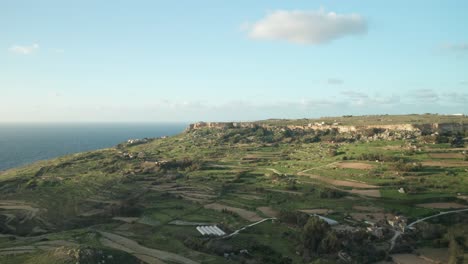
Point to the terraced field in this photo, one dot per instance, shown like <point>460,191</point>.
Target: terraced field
<point>105,205</point>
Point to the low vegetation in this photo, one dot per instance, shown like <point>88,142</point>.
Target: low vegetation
<point>141,201</point>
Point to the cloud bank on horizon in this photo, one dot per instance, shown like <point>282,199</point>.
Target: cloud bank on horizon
<point>63,108</point>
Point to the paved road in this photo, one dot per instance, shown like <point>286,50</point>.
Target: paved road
<point>247,226</point>
<point>398,233</point>
<point>437,215</point>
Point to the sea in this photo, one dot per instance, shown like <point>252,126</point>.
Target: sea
<point>21,144</point>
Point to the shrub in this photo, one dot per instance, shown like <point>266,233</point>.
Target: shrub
<point>404,166</point>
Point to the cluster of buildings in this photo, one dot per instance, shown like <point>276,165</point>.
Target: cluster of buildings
<point>398,223</point>
<point>136,141</point>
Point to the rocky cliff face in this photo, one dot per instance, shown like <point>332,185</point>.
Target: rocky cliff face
<point>220,125</point>
<point>417,128</point>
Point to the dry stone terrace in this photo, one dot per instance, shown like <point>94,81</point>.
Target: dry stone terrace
<point>231,177</point>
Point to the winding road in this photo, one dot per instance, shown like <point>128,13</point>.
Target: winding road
<point>398,233</point>
<point>247,226</point>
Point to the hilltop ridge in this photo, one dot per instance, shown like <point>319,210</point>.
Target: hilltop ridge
<point>425,124</point>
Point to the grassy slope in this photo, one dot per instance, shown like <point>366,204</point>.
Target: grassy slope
<point>63,188</point>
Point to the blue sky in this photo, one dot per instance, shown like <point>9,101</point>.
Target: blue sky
<point>117,61</point>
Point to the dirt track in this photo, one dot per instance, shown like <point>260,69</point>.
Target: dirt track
<point>370,193</point>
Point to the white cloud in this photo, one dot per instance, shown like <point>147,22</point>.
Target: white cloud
<point>25,50</point>
<point>306,27</point>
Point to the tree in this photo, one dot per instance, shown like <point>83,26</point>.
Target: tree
<point>330,243</point>
<point>313,233</point>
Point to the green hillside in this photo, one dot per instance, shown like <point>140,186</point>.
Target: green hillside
<point>121,205</point>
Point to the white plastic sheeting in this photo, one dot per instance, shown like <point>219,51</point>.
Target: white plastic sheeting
<point>210,230</point>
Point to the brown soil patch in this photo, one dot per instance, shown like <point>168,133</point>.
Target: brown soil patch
<point>409,259</point>
<point>371,217</point>
<point>341,182</point>
<point>392,147</point>
<point>250,197</point>
<point>446,155</point>
<point>322,211</point>
<point>443,205</point>
<point>370,193</point>
<point>250,157</point>
<point>367,208</point>
<point>268,211</point>
<point>150,255</point>
<point>247,215</point>
<point>354,165</point>
<point>445,164</point>
<point>437,255</point>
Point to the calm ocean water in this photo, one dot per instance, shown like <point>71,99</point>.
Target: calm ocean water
<point>21,144</point>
